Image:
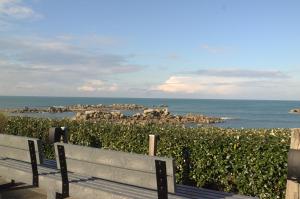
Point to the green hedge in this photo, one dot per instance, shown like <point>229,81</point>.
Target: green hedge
<point>246,161</point>
<point>3,122</point>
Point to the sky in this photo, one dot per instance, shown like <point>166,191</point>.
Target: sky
<point>204,49</point>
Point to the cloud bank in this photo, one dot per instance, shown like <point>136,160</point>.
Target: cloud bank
<point>41,63</point>
<point>230,83</point>
<point>97,85</point>
<point>15,9</point>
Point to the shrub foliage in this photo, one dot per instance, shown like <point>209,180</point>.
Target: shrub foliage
<point>3,122</point>
<point>246,161</point>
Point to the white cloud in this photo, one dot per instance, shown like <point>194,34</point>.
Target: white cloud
<point>194,84</point>
<point>58,66</point>
<point>16,9</point>
<point>97,85</point>
<point>257,84</point>
<point>55,55</point>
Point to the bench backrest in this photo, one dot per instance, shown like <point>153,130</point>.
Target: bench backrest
<point>16,147</point>
<point>128,168</point>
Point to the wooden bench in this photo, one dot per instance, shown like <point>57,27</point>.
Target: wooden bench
<point>21,160</point>
<point>111,174</point>
<point>94,173</point>
<point>20,150</point>
<point>104,173</point>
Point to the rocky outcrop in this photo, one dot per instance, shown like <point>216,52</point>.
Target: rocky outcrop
<point>78,108</point>
<point>156,113</point>
<point>99,115</point>
<point>147,116</point>
<point>58,109</point>
<point>115,113</point>
<point>297,110</point>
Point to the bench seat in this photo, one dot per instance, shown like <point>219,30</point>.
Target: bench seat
<point>96,185</point>
<point>83,186</point>
<point>87,161</point>
<point>93,173</point>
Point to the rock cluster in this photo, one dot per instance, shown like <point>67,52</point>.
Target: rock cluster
<point>51,109</point>
<point>297,110</point>
<point>58,109</point>
<point>113,113</point>
<point>99,115</point>
<point>147,116</point>
<point>26,110</point>
<point>77,108</point>
<point>106,107</point>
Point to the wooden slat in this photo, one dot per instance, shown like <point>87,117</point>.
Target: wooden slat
<point>129,168</point>
<point>19,142</point>
<point>14,153</point>
<point>119,159</point>
<point>121,175</point>
<point>108,187</point>
<point>103,188</point>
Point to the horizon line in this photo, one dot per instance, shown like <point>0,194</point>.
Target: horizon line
<point>178,98</point>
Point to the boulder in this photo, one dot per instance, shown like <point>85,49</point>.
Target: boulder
<point>297,110</point>
<point>116,114</point>
<point>107,116</point>
<point>149,111</point>
<point>89,112</point>
<point>138,116</point>
<point>79,114</point>
<point>165,112</point>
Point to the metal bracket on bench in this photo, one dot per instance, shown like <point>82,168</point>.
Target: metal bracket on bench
<point>64,173</point>
<point>58,133</point>
<point>35,174</point>
<point>161,179</point>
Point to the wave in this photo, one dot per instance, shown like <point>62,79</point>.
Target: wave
<point>229,118</point>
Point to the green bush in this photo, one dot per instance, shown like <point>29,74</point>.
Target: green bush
<point>246,161</point>
<point>3,122</point>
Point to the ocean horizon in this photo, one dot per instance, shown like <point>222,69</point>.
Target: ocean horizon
<point>236,113</point>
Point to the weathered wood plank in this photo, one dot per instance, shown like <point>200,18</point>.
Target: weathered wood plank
<point>128,168</point>
<point>131,161</point>
<point>126,176</point>
<point>293,188</point>
<point>14,153</point>
<point>19,142</point>
<point>108,187</point>
<point>90,186</point>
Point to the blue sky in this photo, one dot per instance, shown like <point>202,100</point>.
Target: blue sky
<point>225,49</point>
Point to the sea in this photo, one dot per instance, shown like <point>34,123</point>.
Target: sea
<point>236,113</point>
